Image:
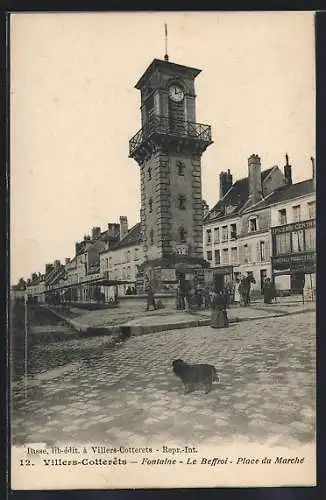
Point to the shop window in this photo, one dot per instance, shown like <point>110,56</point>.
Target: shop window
<point>297,241</point>
<point>296,213</point>
<point>312,210</point>
<point>310,239</point>
<point>282,217</point>
<point>283,243</point>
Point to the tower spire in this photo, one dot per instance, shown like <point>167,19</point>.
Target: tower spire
<point>166,57</point>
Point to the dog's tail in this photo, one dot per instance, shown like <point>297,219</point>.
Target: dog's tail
<point>215,377</point>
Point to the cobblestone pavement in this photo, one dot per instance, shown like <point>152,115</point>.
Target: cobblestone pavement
<point>129,395</point>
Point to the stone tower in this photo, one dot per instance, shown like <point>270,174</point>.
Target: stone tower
<point>168,149</point>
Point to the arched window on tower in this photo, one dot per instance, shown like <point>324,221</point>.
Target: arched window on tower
<point>182,202</point>
<point>151,237</point>
<point>150,203</point>
<point>181,167</point>
<point>182,235</point>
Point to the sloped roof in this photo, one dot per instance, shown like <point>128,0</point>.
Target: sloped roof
<point>236,197</point>
<point>132,238</point>
<point>286,193</point>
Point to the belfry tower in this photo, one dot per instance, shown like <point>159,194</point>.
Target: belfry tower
<point>168,150</point>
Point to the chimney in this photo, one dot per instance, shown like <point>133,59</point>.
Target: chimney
<point>113,230</point>
<point>313,171</point>
<point>77,247</point>
<point>57,263</point>
<point>226,182</point>
<point>123,226</point>
<point>288,171</point>
<point>48,268</point>
<point>96,233</point>
<point>67,260</point>
<point>254,178</point>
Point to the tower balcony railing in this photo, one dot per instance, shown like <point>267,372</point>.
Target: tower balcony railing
<point>163,125</point>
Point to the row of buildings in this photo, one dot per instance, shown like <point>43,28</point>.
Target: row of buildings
<point>263,225</point>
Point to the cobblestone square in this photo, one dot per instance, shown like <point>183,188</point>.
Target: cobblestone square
<point>128,393</point>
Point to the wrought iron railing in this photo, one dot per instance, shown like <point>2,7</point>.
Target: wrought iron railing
<point>164,125</point>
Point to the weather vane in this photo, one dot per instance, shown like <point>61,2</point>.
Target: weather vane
<point>166,57</point>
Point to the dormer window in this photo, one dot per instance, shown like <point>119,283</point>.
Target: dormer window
<point>181,167</point>
<point>252,225</point>
<point>182,202</point>
<point>150,204</point>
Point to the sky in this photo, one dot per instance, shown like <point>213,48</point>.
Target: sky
<point>74,108</point>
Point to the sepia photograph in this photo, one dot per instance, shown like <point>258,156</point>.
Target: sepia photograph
<point>163,255</point>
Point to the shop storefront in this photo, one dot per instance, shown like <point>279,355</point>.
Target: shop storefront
<point>294,256</point>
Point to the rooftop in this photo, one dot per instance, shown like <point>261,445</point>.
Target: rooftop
<point>287,193</point>
<point>235,198</point>
<point>167,66</point>
<point>132,238</point>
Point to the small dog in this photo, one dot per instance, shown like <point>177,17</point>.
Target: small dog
<point>192,375</point>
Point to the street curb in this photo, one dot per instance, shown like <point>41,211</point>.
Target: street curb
<point>138,330</point>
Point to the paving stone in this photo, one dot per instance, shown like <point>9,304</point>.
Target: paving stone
<point>267,388</point>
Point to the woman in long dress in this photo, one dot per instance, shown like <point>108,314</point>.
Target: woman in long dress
<point>237,297</point>
<point>268,291</point>
<point>219,318</point>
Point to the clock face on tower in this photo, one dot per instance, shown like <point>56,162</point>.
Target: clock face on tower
<point>176,93</point>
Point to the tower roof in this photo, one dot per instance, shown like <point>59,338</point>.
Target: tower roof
<point>167,67</point>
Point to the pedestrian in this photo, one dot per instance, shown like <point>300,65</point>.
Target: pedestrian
<point>219,318</point>
<point>237,297</point>
<point>178,298</point>
<point>268,291</point>
<point>207,299</point>
<point>242,291</point>
<point>150,299</point>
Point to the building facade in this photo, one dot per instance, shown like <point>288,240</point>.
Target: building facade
<point>120,263</point>
<point>249,231</point>
<point>236,235</point>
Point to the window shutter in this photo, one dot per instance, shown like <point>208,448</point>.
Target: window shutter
<point>267,250</point>
<point>241,256</point>
<point>249,252</point>
<point>258,251</point>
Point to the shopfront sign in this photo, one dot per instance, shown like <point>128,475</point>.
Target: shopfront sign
<point>296,226</point>
<point>303,262</point>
